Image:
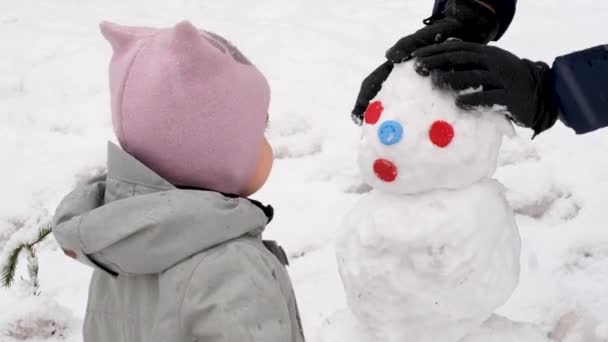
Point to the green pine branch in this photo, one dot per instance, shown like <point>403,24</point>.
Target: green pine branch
<point>10,267</point>
<point>42,234</point>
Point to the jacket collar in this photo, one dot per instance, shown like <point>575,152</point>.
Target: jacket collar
<point>126,168</point>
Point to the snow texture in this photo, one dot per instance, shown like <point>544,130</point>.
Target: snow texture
<point>34,318</point>
<point>432,266</point>
<point>343,326</point>
<point>500,329</point>
<point>55,120</point>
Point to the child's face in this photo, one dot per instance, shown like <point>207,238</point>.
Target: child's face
<point>262,170</point>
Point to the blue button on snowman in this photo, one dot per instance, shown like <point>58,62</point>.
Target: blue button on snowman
<point>390,132</point>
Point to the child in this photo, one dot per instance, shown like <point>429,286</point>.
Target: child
<point>175,244</point>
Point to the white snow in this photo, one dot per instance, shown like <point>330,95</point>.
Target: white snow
<point>500,329</point>
<point>343,326</point>
<point>431,266</point>
<point>55,120</point>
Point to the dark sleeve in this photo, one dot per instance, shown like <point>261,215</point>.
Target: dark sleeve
<point>580,83</point>
<point>505,9</point>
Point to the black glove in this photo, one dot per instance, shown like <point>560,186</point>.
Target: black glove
<point>522,86</point>
<point>468,20</point>
<point>369,89</point>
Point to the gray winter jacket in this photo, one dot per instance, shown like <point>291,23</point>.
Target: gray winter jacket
<point>173,265</point>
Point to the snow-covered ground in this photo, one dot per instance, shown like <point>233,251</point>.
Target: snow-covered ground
<point>54,123</point>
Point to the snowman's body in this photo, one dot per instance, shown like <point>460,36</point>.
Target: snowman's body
<point>430,267</point>
<point>433,250</point>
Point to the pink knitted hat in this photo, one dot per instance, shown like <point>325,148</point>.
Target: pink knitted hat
<point>187,104</point>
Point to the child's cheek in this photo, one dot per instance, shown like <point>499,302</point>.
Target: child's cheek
<point>269,151</point>
<point>262,170</point>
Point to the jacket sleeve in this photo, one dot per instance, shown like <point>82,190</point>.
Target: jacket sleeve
<point>505,9</point>
<point>233,297</point>
<point>580,84</point>
<point>84,198</point>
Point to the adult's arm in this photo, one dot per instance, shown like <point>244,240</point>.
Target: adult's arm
<point>574,90</point>
<point>580,84</point>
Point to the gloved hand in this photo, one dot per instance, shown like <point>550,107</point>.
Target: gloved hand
<point>522,86</point>
<point>468,20</point>
<point>369,89</point>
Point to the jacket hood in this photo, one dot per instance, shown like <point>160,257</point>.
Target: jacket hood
<point>132,221</point>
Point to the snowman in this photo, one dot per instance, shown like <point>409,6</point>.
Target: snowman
<point>433,250</point>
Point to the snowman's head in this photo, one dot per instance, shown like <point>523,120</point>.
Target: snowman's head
<point>416,139</point>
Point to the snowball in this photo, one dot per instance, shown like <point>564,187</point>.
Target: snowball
<point>429,267</point>
<point>432,142</point>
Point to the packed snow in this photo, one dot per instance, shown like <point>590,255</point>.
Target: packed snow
<point>344,326</point>
<point>434,249</point>
<point>55,121</point>
<point>429,267</point>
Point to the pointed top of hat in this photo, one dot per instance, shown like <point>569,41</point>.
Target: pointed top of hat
<point>192,47</point>
<point>120,36</point>
<point>184,30</point>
